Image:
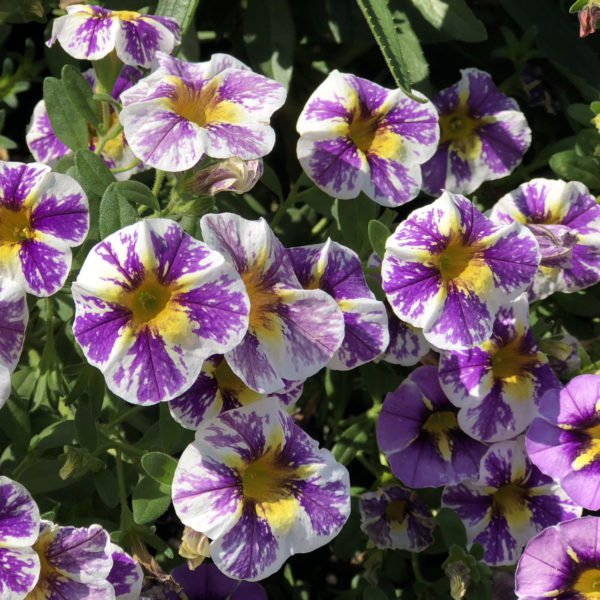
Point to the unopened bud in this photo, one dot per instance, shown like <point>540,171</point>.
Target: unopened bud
<point>194,547</point>
<point>229,175</point>
<point>556,244</point>
<point>458,574</point>
<point>78,461</point>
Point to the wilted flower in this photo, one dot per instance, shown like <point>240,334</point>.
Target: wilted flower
<point>483,135</point>
<point>358,136</point>
<point>195,546</point>
<point>151,304</point>
<point>260,487</point>
<point>91,32</point>
<point>588,12</point>
<point>183,111</point>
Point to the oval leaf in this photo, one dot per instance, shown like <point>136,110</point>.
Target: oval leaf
<point>150,500</point>
<point>160,466</point>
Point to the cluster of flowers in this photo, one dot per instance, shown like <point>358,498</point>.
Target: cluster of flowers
<point>227,330</point>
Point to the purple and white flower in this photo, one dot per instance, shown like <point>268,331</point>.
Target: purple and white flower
<point>293,332</point>
<point>42,214</point>
<point>483,135</point>
<point>337,270</point>
<point>565,442</point>
<point>565,219</point>
<point>151,305</point>
<point>91,32</point>
<point>509,503</point>
<point>419,434</point>
<point>396,518</point>
<point>184,111</point>
<point>125,575</point>
<point>358,136</point>
<point>498,384</point>
<point>229,175</point>
<point>260,488</point>
<point>448,270</point>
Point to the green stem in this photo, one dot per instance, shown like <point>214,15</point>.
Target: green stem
<point>160,175</point>
<point>125,511</point>
<point>113,132</point>
<point>293,198</point>
<point>134,164</point>
<point>124,416</point>
<point>414,559</point>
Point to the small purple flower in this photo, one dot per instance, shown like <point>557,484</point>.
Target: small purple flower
<point>565,442</point>
<point>337,270</point>
<point>42,214</point>
<point>396,518</point>
<point>260,488</point>
<point>151,305</point>
<point>448,270</point>
<point>358,136</point>
<point>184,111</point>
<point>562,562</point>
<point>565,219</point>
<point>509,503</point>
<point>92,32</point>
<point>483,135</point>
<point>419,434</point>
<point>498,384</point>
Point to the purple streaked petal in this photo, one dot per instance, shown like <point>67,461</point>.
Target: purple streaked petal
<point>19,515</point>
<point>41,139</point>
<point>248,140</point>
<point>44,268</point>
<point>13,321</point>
<point>18,181</point>
<point>125,575</point>
<point>391,183</point>
<point>19,572</point>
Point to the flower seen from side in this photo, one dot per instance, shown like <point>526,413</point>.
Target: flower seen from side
<point>293,332</point>
<point>260,488</point>
<point>588,12</point>
<point>498,384</point>
<point>448,269</point>
<point>419,434</point>
<point>152,303</point>
<point>229,175</point>
<point>91,32</point>
<point>184,111</point>
<point>42,214</point>
<point>358,136</point>
<point>565,219</point>
<point>509,503</point>
<point>483,135</point>
<point>396,518</point>
<point>19,529</point>
<point>564,442</point>
<point>218,389</point>
<point>337,270</point>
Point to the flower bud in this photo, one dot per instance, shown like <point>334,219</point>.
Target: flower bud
<point>229,175</point>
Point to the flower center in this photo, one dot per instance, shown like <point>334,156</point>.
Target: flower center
<point>14,226</point>
<point>148,300</point>
<point>509,499</point>
<point>396,510</point>
<point>591,449</point>
<point>265,481</point>
<point>362,130</point>
<point>588,584</point>
<point>47,570</point>
<point>234,392</point>
<point>263,300</point>
<point>202,106</point>
<point>508,363</point>
<point>438,425</point>
<point>455,259</point>
<point>125,15</point>
<point>459,130</point>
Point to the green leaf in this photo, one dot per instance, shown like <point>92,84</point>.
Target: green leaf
<point>372,593</point>
<point>136,192</point>
<point>92,173</point>
<point>354,216</point>
<point>115,212</point>
<point>180,10</point>
<point>578,5</point>
<point>80,94</point>
<point>107,487</point>
<point>453,17</point>
<point>270,38</point>
<point>15,421</point>
<point>86,428</point>
<point>568,165</point>
<point>582,113</point>
<point>378,235</point>
<point>56,435</point>
<point>580,304</point>
<point>68,125</point>
<point>149,500</point>
<point>173,437</point>
<point>65,163</point>
<point>270,180</point>
<point>160,466</point>
<point>453,529</point>
<point>354,439</point>
<point>43,477</point>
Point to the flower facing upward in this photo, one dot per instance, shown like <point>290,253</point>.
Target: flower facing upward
<point>483,136</point>
<point>447,269</point>
<point>260,487</point>
<point>152,304</point>
<point>182,111</point>
<point>92,32</point>
<point>358,136</point>
<point>42,214</point>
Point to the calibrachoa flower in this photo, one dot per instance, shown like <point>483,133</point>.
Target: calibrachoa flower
<point>92,32</point>
<point>562,562</point>
<point>125,575</point>
<point>337,270</point>
<point>19,529</point>
<point>447,269</point>
<point>229,175</point>
<point>293,332</point>
<point>260,487</point>
<point>565,219</point>
<point>42,214</point>
<point>13,321</point>
<point>75,563</point>
<point>498,384</point>
<point>151,304</point>
<point>509,503</point>
<point>47,148</point>
<point>419,434</point>
<point>565,442</point>
<point>483,135</point>
<point>207,582</point>
<point>395,517</point>
<point>358,136</point>
<point>218,389</point>
<point>182,111</point>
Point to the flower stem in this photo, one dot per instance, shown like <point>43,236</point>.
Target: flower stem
<point>160,175</point>
<point>130,166</point>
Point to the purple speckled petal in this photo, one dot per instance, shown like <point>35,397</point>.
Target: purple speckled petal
<point>18,181</point>
<point>41,139</point>
<point>125,575</point>
<point>19,515</point>
<point>390,182</point>
<point>247,141</point>
<point>19,572</point>
<point>13,321</point>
